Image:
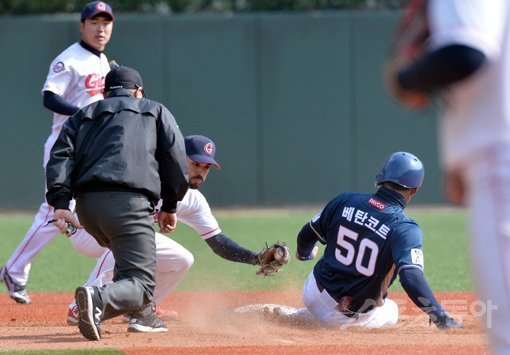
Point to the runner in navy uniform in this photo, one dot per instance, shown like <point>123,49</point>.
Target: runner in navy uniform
<point>369,241</point>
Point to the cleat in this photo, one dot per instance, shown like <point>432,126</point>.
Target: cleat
<point>16,292</point>
<point>73,315</point>
<point>162,313</point>
<point>90,312</point>
<point>146,321</point>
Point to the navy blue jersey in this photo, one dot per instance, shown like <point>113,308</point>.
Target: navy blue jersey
<point>368,240</point>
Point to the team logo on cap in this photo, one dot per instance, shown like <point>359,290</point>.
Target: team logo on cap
<point>209,148</point>
<point>101,6</point>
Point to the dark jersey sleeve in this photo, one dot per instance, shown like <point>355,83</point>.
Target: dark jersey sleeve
<point>314,231</point>
<point>406,246</point>
<point>321,222</point>
<point>408,256</point>
<point>61,164</point>
<point>171,156</point>
<point>441,68</point>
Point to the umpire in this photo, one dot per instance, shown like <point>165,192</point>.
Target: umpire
<point>117,157</point>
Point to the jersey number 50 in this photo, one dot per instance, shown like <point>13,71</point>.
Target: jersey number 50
<point>346,251</point>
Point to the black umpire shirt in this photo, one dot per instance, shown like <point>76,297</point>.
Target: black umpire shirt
<point>119,143</point>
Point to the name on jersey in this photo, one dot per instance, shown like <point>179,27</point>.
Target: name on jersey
<point>362,218</point>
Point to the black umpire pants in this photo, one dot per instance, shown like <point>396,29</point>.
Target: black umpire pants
<point>123,222</point>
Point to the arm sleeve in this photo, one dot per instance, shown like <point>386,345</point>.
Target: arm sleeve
<point>230,250</point>
<point>441,68</point>
<point>60,166</point>
<point>171,156</point>
<point>56,103</point>
<point>417,288</point>
<point>306,240</point>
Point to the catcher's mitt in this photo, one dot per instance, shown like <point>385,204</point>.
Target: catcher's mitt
<point>272,258</point>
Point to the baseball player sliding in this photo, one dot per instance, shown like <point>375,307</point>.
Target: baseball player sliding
<point>173,260</point>
<point>75,79</point>
<point>369,241</point>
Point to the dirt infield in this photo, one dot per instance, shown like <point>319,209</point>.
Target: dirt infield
<point>209,325</point>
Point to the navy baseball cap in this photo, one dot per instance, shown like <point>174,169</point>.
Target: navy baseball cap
<point>122,77</point>
<point>92,9</point>
<point>201,149</point>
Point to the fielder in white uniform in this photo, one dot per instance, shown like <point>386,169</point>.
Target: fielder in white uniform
<point>468,62</point>
<point>75,79</point>
<point>172,259</point>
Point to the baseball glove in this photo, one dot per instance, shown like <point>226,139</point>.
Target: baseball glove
<point>409,42</point>
<point>412,31</point>
<point>272,258</point>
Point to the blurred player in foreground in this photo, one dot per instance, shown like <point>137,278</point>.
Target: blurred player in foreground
<point>173,260</point>
<point>369,241</point>
<point>466,59</point>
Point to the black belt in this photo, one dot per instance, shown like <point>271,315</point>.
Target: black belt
<point>319,286</point>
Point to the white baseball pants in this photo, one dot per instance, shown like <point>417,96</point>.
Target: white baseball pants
<point>488,199</point>
<point>324,309</point>
<point>172,263</point>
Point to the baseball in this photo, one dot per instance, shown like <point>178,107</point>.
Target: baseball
<point>279,254</point>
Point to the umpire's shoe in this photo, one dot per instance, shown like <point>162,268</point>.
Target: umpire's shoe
<point>146,321</point>
<point>16,291</point>
<point>90,309</point>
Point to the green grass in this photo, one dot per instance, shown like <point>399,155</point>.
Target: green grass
<point>60,268</point>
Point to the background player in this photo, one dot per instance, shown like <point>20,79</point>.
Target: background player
<point>369,240</point>
<point>75,79</point>
<point>467,60</point>
<point>173,260</point>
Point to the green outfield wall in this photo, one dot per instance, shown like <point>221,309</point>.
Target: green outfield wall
<point>294,101</point>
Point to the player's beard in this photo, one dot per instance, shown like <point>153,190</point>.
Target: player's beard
<point>195,182</point>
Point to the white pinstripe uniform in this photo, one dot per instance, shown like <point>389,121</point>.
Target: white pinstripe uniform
<point>475,140</point>
<point>78,76</point>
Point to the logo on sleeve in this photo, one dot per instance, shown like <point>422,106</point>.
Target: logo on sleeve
<point>417,257</point>
<point>58,67</point>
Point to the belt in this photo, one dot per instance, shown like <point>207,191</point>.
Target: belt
<point>347,313</point>
<point>319,286</point>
